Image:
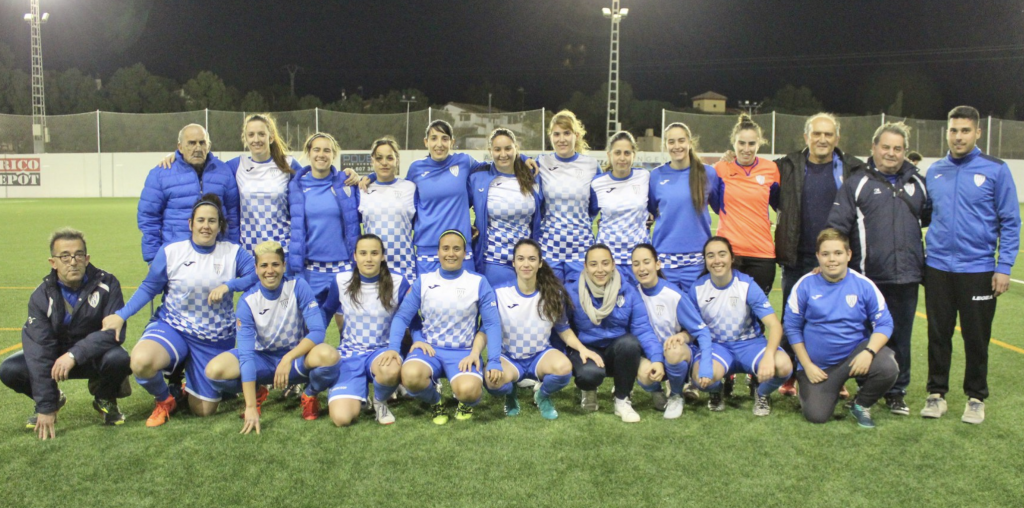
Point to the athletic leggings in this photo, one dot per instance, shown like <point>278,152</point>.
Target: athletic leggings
<point>621,359</point>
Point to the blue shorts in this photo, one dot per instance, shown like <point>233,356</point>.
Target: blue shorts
<point>266,366</point>
<point>196,353</point>
<point>626,271</point>
<point>526,368</point>
<point>497,274</point>
<point>566,271</point>
<point>739,356</point>
<point>320,283</point>
<point>355,374</point>
<point>444,363</point>
<point>684,276</point>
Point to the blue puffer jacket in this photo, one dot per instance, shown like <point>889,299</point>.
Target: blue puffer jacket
<point>165,205</point>
<point>347,202</point>
<point>975,211</point>
<point>479,185</point>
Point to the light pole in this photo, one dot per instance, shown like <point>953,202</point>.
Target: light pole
<point>39,134</point>
<point>750,107</point>
<point>408,103</point>
<point>615,14</point>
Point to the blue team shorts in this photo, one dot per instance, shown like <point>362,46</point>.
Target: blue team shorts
<point>444,363</point>
<point>320,283</point>
<point>684,276</point>
<point>266,366</point>
<point>195,352</point>
<point>566,271</point>
<point>741,356</point>
<point>354,376</point>
<point>498,274</point>
<point>526,368</point>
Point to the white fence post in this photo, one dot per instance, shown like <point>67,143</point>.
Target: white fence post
<point>316,112</point>
<point>99,157</point>
<point>206,121</point>
<point>988,138</point>
<point>773,133</point>
<point>543,122</point>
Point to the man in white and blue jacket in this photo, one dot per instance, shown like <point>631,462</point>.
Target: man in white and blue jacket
<point>975,215</point>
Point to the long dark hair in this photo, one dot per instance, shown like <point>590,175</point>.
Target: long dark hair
<point>698,175</point>
<point>650,248</point>
<point>213,200</point>
<point>554,299</point>
<point>728,245</point>
<point>523,174</point>
<point>385,286</point>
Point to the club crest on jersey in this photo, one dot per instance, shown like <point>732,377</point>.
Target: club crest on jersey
<point>461,292</point>
<point>734,300</point>
<point>910,189</point>
<point>218,266</point>
<point>348,191</point>
<point>638,189</point>
<point>397,194</point>
<point>579,172</point>
<point>851,300</point>
<point>659,310</point>
<point>620,301</point>
<point>94,299</point>
<point>760,179</point>
<point>454,170</point>
<point>979,179</point>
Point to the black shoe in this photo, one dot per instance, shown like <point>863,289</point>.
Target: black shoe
<point>124,391</point>
<point>179,394</point>
<point>896,405</point>
<point>108,408</point>
<point>727,385</point>
<point>31,422</point>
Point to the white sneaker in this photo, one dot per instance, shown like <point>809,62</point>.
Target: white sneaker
<point>934,406</point>
<point>974,412</point>
<point>624,410</point>
<point>384,416</point>
<point>589,401</point>
<point>674,407</point>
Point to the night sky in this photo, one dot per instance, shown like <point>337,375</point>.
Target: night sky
<point>942,53</point>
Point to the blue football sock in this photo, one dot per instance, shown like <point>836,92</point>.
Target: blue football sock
<point>381,393</point>
<point>504,389</point>
<point>227,385</point>
<point>156,386</point>
<point>554,382</point>
<point>430,395</point>
<point>322,378</point>
<point>766,388</point>
<point>653,387</point>
<point>676,373</point>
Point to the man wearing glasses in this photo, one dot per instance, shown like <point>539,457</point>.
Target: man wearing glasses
<point>61,338</point>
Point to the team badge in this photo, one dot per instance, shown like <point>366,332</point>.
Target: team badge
<point>910,189</point>
<point>979,179</point>
<point>94,299</point>
<point>620,301</point>
<point>348,191</point>
<point>218,266</point>
<point>851,300</point>
<point>454,170</point>
<point>397,193</point>
<point>734,301</point>
<point>461,292</point>
<point>579,172</point>
<point>659,310</point>
<point>760,179</point>
<point>638,189</point>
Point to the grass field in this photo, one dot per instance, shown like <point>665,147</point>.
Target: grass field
<point>702,459</point>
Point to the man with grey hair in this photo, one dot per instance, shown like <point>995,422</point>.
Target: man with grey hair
<point>884,206</point>
<point>62,340</point>
<point>167,198</point>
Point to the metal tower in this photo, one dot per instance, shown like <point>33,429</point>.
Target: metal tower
<point>39,134</point>
<point>616,15</point>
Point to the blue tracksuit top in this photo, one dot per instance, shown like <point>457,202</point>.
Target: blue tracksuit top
<point>678,228</point>
<point>298,252</point>
<point>628,316</point>
<point>479,186</point>
<point>442,199</point>
<point>974,208</point>
<point>165,205</point>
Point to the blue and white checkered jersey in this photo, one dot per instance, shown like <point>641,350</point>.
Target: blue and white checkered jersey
<point>263,193</point>
<point>387,209</point>
<point>509,218</point>
<point>278,320</point>
<point>525,331</point>
<point>367,324</point>
<point>730,311</point>
<point>565,229</point>
<point>662,302</point>
<point>623,207</point>
<point>186,273</point>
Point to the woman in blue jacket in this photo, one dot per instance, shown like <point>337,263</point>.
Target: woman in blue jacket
<point>507,200</point>
<point>610,319</point>
<point>325,217</point>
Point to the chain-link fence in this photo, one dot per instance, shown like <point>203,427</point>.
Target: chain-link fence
<point>784,133</point>
<point>128,132</point>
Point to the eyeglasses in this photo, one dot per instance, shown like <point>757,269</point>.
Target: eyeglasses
<point>66,258</point>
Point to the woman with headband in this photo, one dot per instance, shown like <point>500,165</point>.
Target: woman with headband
<point>619,195</point>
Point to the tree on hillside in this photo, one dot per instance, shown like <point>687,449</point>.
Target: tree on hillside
<point>253,102</point>
<point>15,85</point>
<point>135,90</point>
<point>70,92</point>
<point>207,90</point>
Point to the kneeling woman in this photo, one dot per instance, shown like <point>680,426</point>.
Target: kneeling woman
<point>449,300</point>
<point>365,301</point>
<point>196,320</point>
<point>611,319</point>
<point>676,322</point>
<point>838,323</point>
<point>280,341</point>
<point>530,308</point>
<point>728,301</point>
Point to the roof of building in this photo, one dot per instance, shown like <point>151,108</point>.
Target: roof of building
<point>710,95</point>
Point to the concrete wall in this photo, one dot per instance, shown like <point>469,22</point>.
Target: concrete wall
<point>123,174</point>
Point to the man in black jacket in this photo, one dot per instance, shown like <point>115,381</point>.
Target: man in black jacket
<point>62,340</point>
<point>883,208</point>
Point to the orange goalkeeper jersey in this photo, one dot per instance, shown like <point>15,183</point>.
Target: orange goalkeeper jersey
<point>746,193</point>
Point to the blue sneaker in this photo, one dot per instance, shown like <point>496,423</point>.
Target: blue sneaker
<point>512,403</point>
<point>863,416</point>
<point>547,408</point>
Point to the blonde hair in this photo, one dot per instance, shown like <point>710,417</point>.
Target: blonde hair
<point>698,174</point>
<point>567,120</point>
<point>386,140</point>
<point>745,123</point>
<point>268,247</point>
<point>308,145</point>
<point>278,147</point>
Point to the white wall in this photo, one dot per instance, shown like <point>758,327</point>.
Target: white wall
<point>92,175</point>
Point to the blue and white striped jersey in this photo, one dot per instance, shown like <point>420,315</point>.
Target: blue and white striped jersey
<point>367,324</point>
<point>509,218</point>
<point>730,311</point>
<point>623,207</point>
<point>278,315</point>
<point>263,193</point>
<point>565,230</point>
<point>388,210</point>
<point>525,331</point>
